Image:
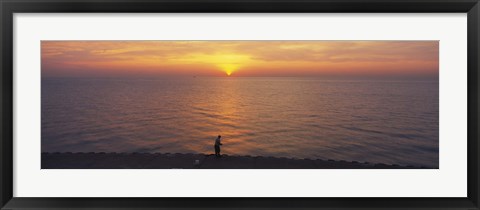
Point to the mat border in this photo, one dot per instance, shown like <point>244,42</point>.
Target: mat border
<point>9,7</point>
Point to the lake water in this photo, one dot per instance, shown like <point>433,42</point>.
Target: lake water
<point>392,122</point>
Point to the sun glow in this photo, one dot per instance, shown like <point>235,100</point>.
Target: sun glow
<point>229,63</point>
<point>226,62</point>
<point>228,68</point>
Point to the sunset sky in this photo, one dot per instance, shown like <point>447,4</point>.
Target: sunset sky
<point>239,58</point>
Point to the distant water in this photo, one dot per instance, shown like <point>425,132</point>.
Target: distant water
<point>390,122</point>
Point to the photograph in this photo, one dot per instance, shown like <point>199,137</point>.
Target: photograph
<point>200,104</point>
<point>239,104</point>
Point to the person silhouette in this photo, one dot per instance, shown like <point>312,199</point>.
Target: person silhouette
<point>217,146</point>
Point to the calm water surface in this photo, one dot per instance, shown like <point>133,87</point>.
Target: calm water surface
<point>391,122</point>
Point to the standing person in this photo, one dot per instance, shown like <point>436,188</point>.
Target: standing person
<point>217,146</point>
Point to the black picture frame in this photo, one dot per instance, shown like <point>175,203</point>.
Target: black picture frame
<point>9,7</point>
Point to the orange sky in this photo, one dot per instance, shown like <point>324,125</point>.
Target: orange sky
<point>240,58</point>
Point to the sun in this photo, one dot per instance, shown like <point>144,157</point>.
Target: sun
<point>229,63</point>
<point>229,68</point>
